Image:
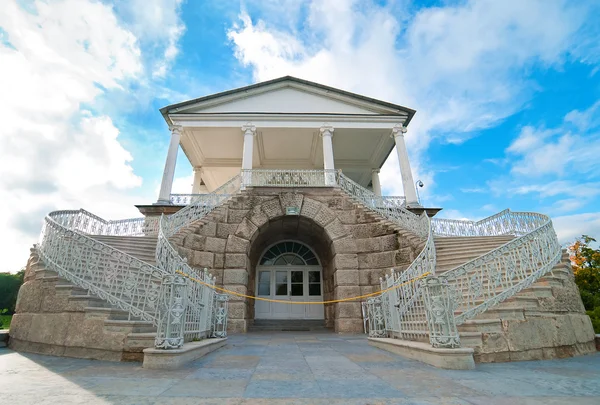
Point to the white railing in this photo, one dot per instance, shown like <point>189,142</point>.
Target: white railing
<point>124,281</point>
<point>185,199</point>
<point>288,178</point>
<point>502,223</point>
<point>88,223</point>
<point>501,273</point>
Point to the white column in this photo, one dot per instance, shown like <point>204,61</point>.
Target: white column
<point>197,185</point>
<point>164,197</point>
<point>375,181</point>
<point>249,131</point>
<point>327,135</point>
<point>407,179</point>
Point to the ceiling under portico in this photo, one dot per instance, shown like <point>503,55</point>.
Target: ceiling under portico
<point>288,114</point>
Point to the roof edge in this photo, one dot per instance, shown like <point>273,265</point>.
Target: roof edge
<point>410,112</point>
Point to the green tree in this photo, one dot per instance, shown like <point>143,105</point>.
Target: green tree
<point>586,267</point>
<point>9,288</point>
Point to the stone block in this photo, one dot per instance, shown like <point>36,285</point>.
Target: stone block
<point>20,325</point>
<point>348,310</point>
<point>272,208</point>
<point>389,242</point>
<point>343,292</point>
<point>375,260</point>
<point>349,325</point>
<point>236,216</point>
<point>324,216</point>
<point>369,245</point>
<point>246,229</point>
<point>335,229</point>
<point>346,277</point>
<point>403,255</point>
<point>235,276</point>
<point>30,297</point>
<point>219,261</point>
<point>368,289</point>
<point>237,288</point>
<point>345,261</point>
<point>236,310</point>
<point>310,208</point>
<point>347,217</point>
<point>493,343</point>
<point>194,241</point>
<point>236,245</point>
<point>224,230</point>
<point>202,259</point>
<point>344,245</point>
<point>215,245</point>
<point>582,328</point>
<point>291,199</point>
<point>207,229</point>
<point>236,326</point>
<point>257,216</point>
<point>371,230</point>
<point>235,260</point>
<point>49,328</point>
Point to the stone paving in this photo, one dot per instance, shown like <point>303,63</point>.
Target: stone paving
<point>296,368</point>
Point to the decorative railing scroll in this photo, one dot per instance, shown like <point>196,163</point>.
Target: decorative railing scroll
<point>219,320</point>
<point>184,199</point>
<point>502,223</point>
<point>375,317</point>
<point>116,277</point>
<point>288,178</point>
<point>88,223</point>
<point>501,273</point>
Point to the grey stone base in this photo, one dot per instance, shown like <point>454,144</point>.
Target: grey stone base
<point>546,353</point>
<point>598,342</point>
<point>65,351</point>
<point>454,359</point>
<point>173,359</point>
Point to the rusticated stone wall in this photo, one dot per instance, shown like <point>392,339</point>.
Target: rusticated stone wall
<point>354,245</point>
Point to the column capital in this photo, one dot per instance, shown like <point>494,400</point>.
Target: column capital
<point>326,130</point>
<point>175,129</point>
<point>398,130</point>
<point>375,170</point>
<point>198,169</point>
<point>249,129</point>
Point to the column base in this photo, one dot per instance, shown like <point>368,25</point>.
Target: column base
<point>418,210</point>
<point>157,209</point>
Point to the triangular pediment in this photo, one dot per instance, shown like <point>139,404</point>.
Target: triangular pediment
<point>287,95</point>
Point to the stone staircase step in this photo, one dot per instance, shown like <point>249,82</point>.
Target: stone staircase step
<point>115,325</point>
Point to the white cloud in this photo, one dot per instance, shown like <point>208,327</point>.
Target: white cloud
<point>158,25</point>
<point>569,227</point>
<point>463,67</point>
<point>56,59</point>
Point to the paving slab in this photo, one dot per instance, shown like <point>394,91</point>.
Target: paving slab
<point>296,368</point>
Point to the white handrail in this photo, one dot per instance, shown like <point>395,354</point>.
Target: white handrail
<point>499,274</point>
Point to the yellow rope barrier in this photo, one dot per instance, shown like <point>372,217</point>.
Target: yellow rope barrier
<point>302,302</point>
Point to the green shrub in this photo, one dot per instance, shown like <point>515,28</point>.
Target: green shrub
<point>595,317</point>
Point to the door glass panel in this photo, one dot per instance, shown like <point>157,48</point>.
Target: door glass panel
<point>297,276</point>
<point>264,289</point>
<point>297,290</point>
<point>314,283</point>
<point>281,283</point>
<point>281,289</point>
<point>264,283</point>
<point>314,289</point>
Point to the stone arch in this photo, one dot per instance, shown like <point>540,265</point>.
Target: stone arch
<point>293,215</point>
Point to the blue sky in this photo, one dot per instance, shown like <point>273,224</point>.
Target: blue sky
<point>507,96</point>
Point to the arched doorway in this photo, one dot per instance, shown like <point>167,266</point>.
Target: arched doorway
<point>290,271</point>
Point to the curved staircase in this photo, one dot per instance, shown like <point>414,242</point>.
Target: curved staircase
<point>108,289</point>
